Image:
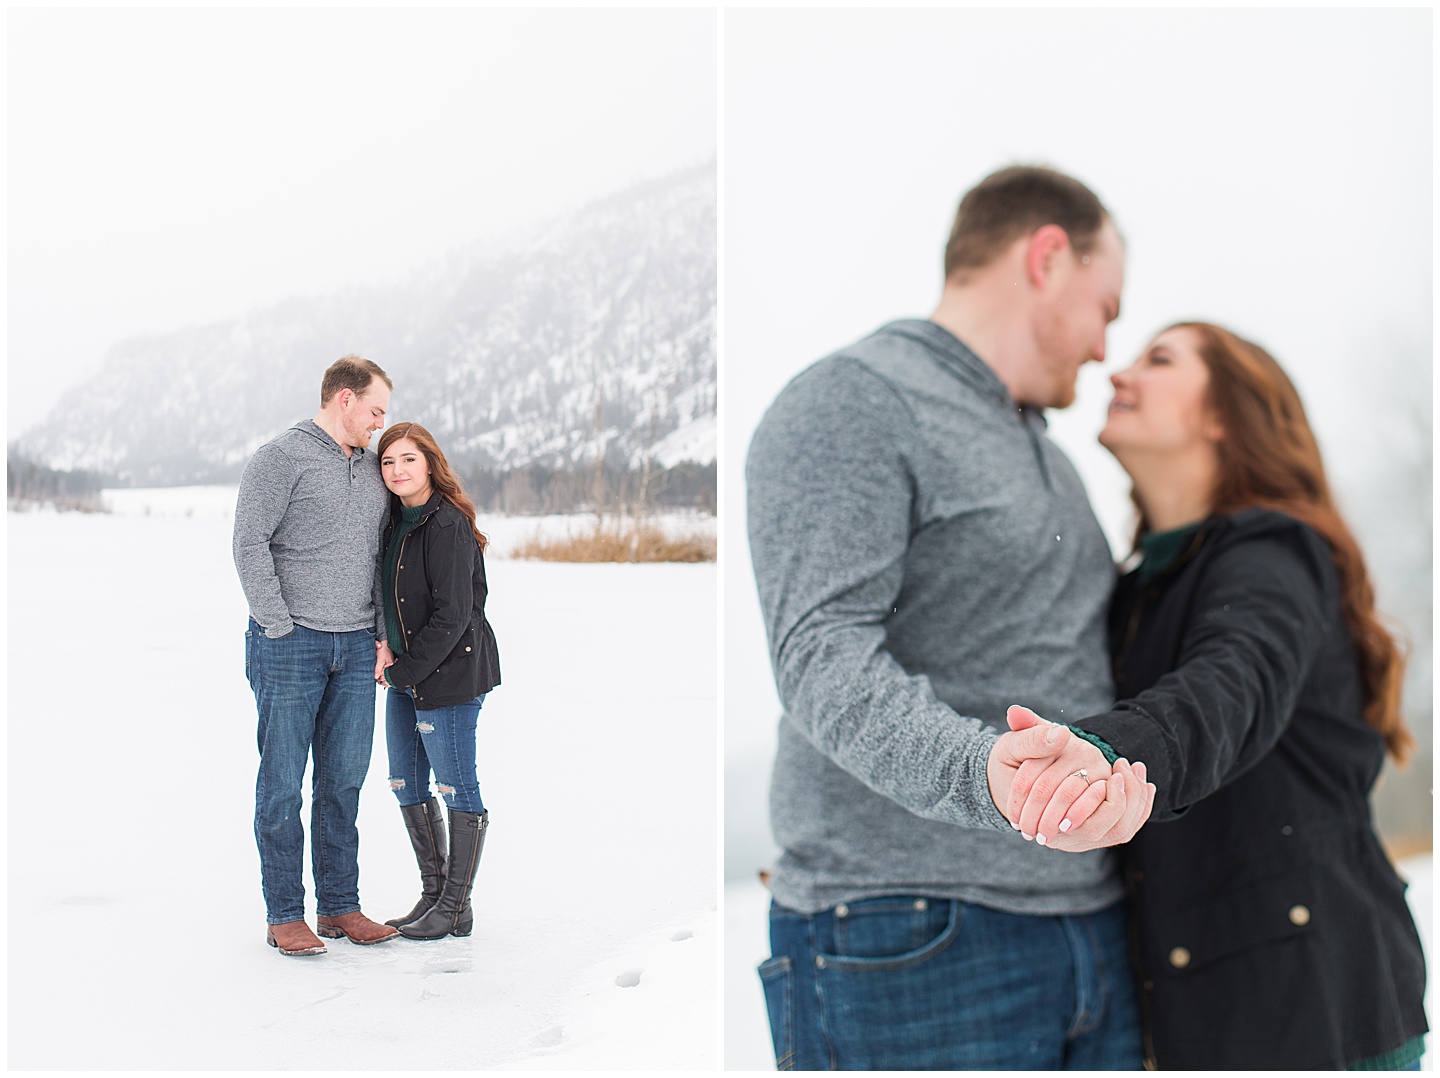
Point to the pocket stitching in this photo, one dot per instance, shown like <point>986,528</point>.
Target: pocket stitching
<point>948,935</point>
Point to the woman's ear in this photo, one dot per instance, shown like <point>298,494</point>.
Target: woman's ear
<point>1213,430</point>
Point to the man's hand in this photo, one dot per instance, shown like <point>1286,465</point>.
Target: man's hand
<point>383,657</point>
<point>1034,755</point>
<point>1065,799</point>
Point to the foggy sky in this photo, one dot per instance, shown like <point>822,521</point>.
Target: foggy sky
<point>169,167</point>
<point>1269,169</point>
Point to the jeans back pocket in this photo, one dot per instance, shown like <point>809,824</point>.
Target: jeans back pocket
<point>777,976</point>
<point>250,632</point>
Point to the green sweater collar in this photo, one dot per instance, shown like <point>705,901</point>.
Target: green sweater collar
<point>1159,549</point>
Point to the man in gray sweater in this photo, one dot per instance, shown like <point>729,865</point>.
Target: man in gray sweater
<point>926,557</point>
<point>307,535</point>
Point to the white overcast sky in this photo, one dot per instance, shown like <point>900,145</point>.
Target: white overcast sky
<point>172,166</point>
<point>1270,169</point>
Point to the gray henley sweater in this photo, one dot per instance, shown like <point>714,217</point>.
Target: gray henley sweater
<point>307,534</point>
<point>925,557</point>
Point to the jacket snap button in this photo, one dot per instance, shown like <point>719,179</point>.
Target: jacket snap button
<point>819,961</point>
<point>921,904</point>
<point>1299,915</point>
<point>467,649</point>
<point>1179,957</point>
<point>841,910</point>
<point>402,600</point>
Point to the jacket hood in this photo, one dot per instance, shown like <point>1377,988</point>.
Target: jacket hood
<point>321,437</point>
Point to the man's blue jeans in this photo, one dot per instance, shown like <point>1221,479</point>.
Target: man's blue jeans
<point>314,691</point>
<point>911,983</point>
<point>441,739</point>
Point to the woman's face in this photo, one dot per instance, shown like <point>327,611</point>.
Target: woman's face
<point>406,471</point>
<point>1160,403</point>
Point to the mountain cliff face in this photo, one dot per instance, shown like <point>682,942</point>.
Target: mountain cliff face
<point>592,332</point>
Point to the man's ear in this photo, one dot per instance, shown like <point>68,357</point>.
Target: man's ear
<point>1042,251</point>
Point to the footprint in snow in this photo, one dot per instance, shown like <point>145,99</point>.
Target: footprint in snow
<point>683,934</point>
<point>629,979</point>
<point>548,1038</point>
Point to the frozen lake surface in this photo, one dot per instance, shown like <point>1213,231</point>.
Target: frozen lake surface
<point>137,936</point>
<point>504,533</point>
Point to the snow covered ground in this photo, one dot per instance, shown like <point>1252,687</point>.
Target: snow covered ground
<point>136,927</point>
<point>504,533</point>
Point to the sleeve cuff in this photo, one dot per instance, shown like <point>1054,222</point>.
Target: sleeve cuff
<point>1110,754</point>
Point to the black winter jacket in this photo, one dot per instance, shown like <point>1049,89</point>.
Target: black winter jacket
<point>450,654</point>
<point>1268,928</point>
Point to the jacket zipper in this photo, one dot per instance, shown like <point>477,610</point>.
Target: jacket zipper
<point>1147,1039</point>
<point>395,588</point>
<point>1150,591</point>
<point>1123,652</point>
<point>1143,996</point>
<point>1132,920</point>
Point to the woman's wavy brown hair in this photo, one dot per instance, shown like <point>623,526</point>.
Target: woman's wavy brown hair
<point>1269,457</point>
<point>442,476</point>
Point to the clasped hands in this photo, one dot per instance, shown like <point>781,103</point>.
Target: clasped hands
<point>383,657</point>
<point>1058,790</point>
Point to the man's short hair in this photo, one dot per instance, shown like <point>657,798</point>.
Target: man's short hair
<point>1014,202</point>
<point>353,373</point>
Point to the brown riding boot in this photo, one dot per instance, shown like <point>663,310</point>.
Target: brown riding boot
<point>356,927</point>
<point>293,938</point>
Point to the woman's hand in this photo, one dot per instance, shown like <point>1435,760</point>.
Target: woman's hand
<point>1058,789</point>
<point>383,657</point>
<point>1126,805</point>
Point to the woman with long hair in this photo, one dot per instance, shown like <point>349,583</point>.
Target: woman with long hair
<point>1268,928</point>
<point>438,662</point>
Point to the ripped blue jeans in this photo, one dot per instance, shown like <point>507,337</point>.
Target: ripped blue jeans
<point>441,740</point>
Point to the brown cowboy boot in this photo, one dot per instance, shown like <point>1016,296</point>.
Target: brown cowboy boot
<point>356,927</point>
<point>293,938</point>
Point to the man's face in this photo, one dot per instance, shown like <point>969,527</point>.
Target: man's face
<point>1081,302</point>
<point>362,416</point>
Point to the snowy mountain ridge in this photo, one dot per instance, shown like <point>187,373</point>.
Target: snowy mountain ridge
<point>593,330</point>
